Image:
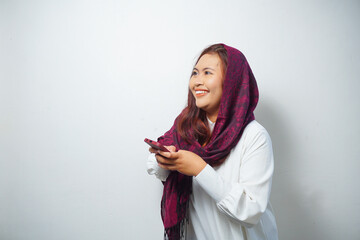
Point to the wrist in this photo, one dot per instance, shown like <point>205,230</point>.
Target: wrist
<point>201,166</point>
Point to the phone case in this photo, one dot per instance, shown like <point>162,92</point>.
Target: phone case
<point>156,145</point>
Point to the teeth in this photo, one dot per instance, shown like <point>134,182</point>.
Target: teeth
<point>200,92</point>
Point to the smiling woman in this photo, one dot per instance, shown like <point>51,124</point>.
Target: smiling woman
<point>217,176</point>
<point>192,121</point>
<point>206,84</point>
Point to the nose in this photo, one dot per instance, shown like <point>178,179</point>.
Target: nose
<point>198,84</point>
<point>199,80</point>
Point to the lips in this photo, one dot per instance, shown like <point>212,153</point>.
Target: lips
<point>200,92</point>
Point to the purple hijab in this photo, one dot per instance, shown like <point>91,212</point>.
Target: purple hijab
<point>238,101</point>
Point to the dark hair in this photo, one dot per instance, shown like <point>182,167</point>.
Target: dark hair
<point>192,122</point>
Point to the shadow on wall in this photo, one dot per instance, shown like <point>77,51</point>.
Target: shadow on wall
<point>294,218</point>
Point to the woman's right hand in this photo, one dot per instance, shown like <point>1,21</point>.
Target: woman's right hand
<point>185,162</point>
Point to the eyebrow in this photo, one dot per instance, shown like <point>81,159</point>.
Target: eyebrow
<point>204,69</point>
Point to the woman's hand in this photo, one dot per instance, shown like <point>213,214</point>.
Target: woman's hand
<point>185,162</point>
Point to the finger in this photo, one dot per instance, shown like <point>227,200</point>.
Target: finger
<point>162,160</point>
<point>168,167</point>
<point>165,154</point>
<point>170,155</point>
<point>171,148</point>
<point>153,150</point>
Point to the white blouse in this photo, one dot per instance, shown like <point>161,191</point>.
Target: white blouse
<point>231,201</point>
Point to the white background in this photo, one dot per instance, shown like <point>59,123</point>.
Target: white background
<point>84,82</point>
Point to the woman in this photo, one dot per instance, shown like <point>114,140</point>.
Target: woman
<point>217,175</point>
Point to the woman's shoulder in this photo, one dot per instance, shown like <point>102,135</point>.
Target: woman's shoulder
<point>254,127</point>
<point>254,138</point>
<point>254,132</point>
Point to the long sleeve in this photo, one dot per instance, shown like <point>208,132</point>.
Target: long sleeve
<point>246,197</point>
<point>154,169</point>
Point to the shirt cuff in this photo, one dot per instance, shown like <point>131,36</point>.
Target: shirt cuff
<point>212,183</point>
<point>154,169</point>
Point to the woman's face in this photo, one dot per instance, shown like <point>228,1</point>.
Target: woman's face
<point>206,84</point>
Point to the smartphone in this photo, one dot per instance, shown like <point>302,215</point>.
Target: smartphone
<point>156,145</point>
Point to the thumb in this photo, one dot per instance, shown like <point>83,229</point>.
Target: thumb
<point>171,148</point>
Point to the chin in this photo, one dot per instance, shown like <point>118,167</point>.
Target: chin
<point>200,105</point>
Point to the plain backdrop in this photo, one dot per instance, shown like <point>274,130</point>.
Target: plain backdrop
<point>82,83</point>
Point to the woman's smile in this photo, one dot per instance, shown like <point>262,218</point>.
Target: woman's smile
<point>200,93</point>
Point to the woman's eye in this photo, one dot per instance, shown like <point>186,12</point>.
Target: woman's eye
<point>193,73</point>
<point>207,72</point>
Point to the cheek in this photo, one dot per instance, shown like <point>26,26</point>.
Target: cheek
<point>217,95</point>
<point>191,84</point>
<point>219,89</point>
<point>217,85</point>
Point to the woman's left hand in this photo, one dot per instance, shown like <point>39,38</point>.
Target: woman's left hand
<point>183,161</point>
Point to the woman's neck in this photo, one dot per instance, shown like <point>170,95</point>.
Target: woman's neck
<point>212,118</point>
<point>212,115</point>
